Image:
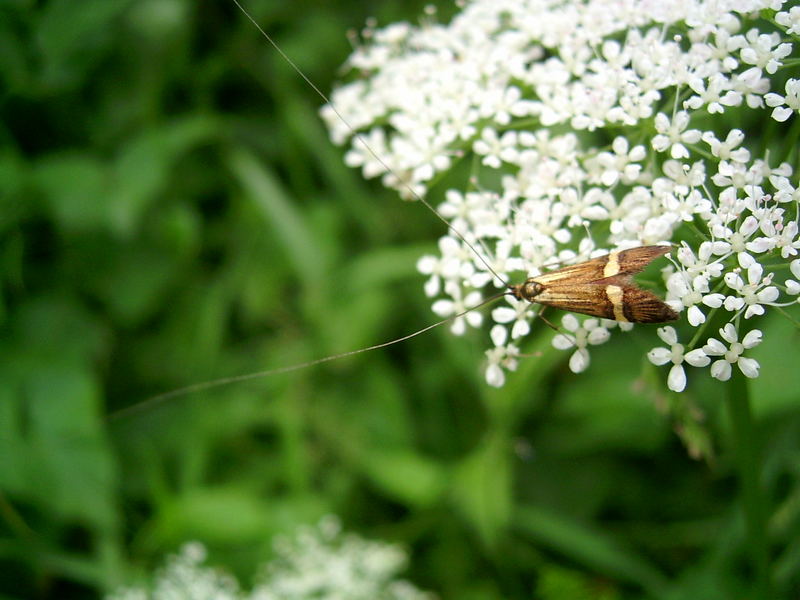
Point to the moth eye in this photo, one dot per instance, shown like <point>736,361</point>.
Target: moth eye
<point>530,290</point>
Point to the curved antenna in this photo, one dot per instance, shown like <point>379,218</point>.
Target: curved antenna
<point>207,385</point>
<point>366,144</point>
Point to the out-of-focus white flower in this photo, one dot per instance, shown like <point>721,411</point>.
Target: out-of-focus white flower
<point>459,304</point>
<point>185,576</point>
<point>502,356</point>
<point>323,563</point>
<point>313,563</point>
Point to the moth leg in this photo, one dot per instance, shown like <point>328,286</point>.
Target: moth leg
<point>540,315</point>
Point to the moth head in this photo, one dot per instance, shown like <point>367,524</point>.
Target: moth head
<point>528,290</point>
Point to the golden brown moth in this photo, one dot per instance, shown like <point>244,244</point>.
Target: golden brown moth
<point>601,287</point>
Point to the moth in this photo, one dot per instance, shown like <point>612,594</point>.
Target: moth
<point>601,287</point>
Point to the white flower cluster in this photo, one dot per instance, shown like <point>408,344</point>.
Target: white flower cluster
<point>319,563</point>
<point>184,576</point>
<point>322,563</point>
<point>594,126</point>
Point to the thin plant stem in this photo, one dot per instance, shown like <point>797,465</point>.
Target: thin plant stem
<point>747,448</point>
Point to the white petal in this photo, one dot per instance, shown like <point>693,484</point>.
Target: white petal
<point>794,266</point>
<point>754,273</point>
<point>760,245</point>
<point>668,335</point>
<point>495,376</point>
<point>714,347</point>
<point>781,113</point>
<point>676,380</point>
<point>499,335</point>
<point>659,356</point>
<point>729,333</point>
<point>734,281</point>
<point>748,366</point>
<point>721,370</point>
<point>745,260</point>
<point>772,99</point>
<point>426,264</point>
<point>749,226</point>
<point>570,323</point>
<point>458,327</point>
<point>579,360</point>
<point>563,342</point>
<point>432,286</point>
<point>768,294</point>
<point>695,316</point>
<point>598,335</point>
<point>732,303</point>
<point>474,318</point>
<point>520,328</point>
<point>713,300</point>
<point>697,358</point>
<point>504,314</point>
<point>443,308</point>
<point>753,338</point>
<point>792,287</point>
<point>754,310</point>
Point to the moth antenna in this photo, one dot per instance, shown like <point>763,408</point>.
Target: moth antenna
<point>158,399</point>
<point>357,136</point>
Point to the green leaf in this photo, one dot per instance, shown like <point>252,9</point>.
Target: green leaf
<point>481,488</point>
<point>586,546</point>
<point>287,225</point>
<point>222,514</point>
<point>143,167</point>
<point>407,476</point>
<point>76,189</point>
<point>70,34</point>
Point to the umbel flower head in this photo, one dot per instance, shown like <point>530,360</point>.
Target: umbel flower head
<point>592,126</point>
<point>319,562</point>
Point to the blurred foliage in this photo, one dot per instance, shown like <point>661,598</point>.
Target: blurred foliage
<point>172,212</point>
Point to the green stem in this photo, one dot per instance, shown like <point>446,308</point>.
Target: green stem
<point>747,448</point>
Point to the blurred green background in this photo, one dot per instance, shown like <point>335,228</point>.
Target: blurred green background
<point>172,212</point>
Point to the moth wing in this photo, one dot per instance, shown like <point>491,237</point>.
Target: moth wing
<point>616,300</point>
<point>587,299</point>
<point>643,306</point>
<point>584,272</point>
<point>614,264</point>
<point>630,262</point>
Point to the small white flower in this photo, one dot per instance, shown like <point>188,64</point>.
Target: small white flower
<point>496,150</point>
<point>790,20</point>
<point>721,369</point>
<point>519,312</point>
<point>676,380</point>
<point>673,135</point>
<point>580,337</point>
<point>785,106</point>
<point>753,294</point>
<point>622,164</point>
<point>764,50</point>
<point>728,150</point>
<point>716,93</point>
